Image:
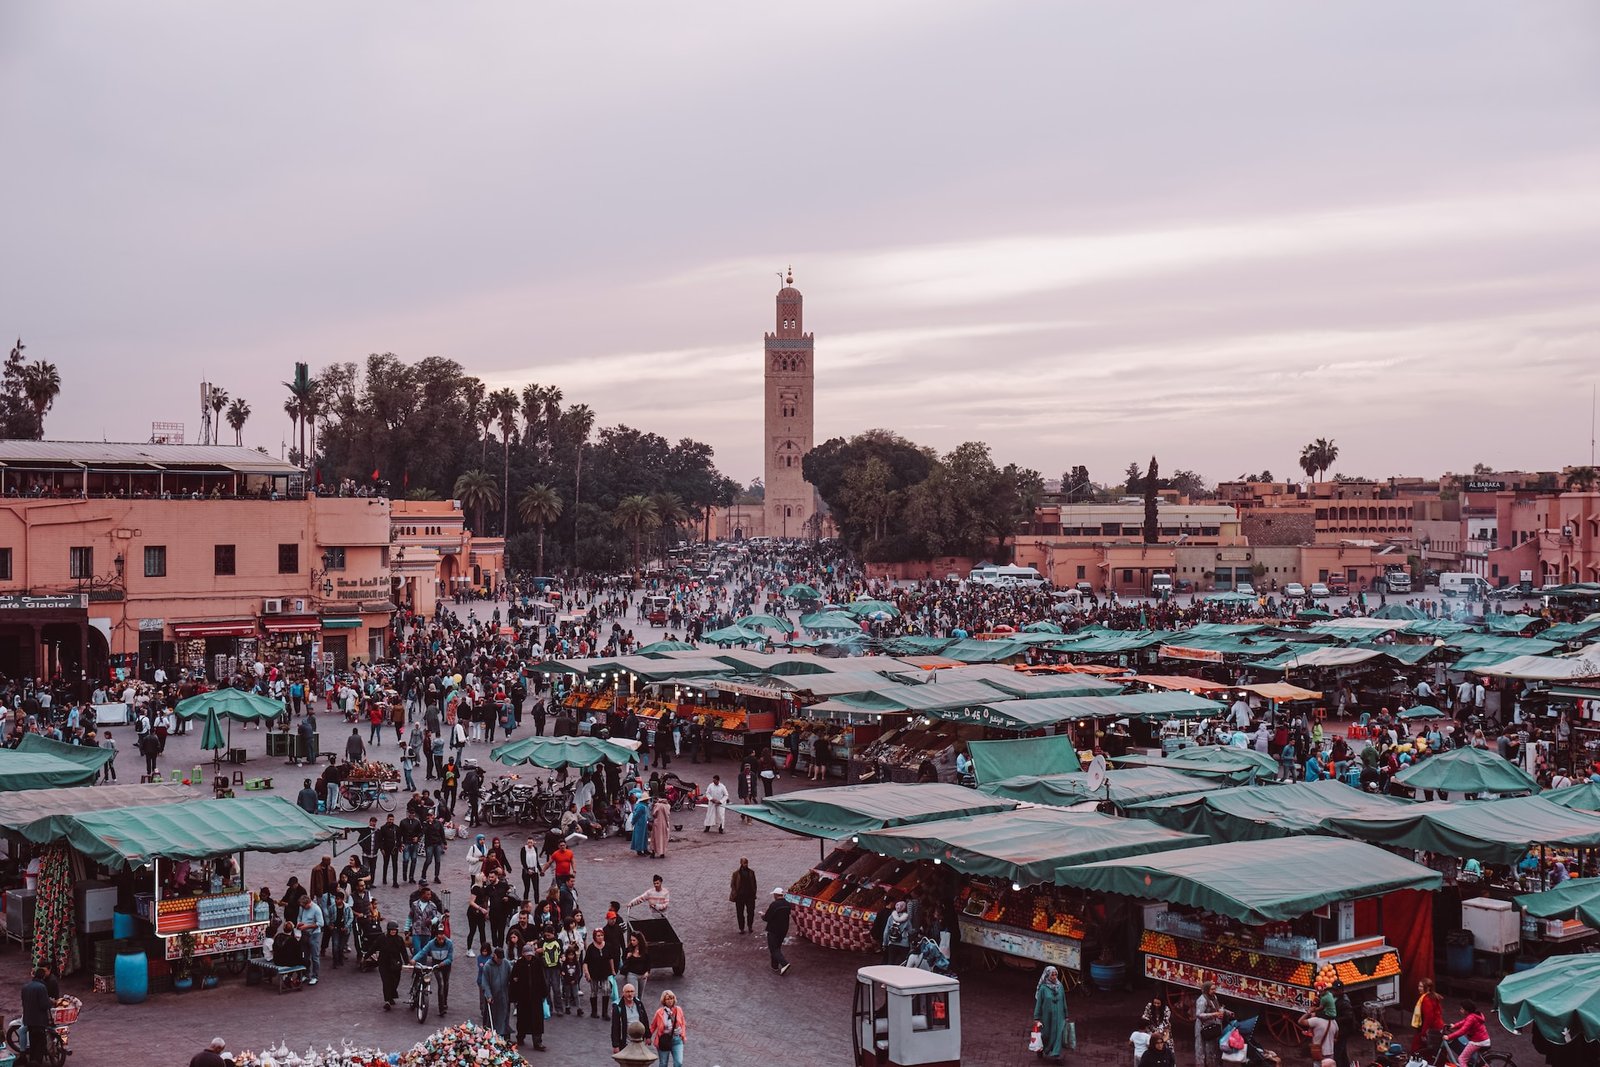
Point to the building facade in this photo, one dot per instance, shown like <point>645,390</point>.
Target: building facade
<point>436,557</point>
<point>128,557</point>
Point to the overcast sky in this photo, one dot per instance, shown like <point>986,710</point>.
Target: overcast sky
<point>1081,232</point>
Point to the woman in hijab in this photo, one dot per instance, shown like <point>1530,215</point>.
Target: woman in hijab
<point>660,824</point>
<point>1050,1012</point>
<point>641,826</point>
<point>475,853</point>
<point>897,935</point>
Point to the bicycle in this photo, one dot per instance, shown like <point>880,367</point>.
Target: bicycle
<point>421,983</point>
<point>360,796</point>
<point>57,1038</point>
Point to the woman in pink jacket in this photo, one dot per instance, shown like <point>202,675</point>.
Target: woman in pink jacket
<point>1471,1032</point>
<point>667,1031</point>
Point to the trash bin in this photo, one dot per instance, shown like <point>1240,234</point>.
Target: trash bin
<point>1458,954</point>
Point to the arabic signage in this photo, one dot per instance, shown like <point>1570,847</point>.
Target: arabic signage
<point>63,602</point>
<point>361,588</point>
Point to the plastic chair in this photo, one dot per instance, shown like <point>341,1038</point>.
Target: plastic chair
<point>175,776</point>
<point>238,778</point>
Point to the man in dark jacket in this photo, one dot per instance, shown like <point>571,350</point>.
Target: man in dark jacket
<point>528,991</point>
<point>36,1018</point>
<point>777,919</point>
<point>742,892</point>
<point>307,798</point>
<point>387,838</point>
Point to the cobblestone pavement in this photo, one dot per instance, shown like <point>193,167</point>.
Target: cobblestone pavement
<point>739,1012</point>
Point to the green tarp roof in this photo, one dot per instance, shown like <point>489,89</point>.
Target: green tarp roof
<point>917,645</point>
<point>1512,646</point>
<point>972,650</point>
<point>993,761</point>
<point>1221,629</point>
<point>1355,629</point>
<point>663,646</point>
<point>1026,846</point>
<point>1508,624</point>
<point>1425,627</point>
<point>1410,655</point>
<point>1468,770</point>
<point>1399,611</point>
<point>830,620</point>
<point>1128,786</point>
<point>1576,898</point>
<point>1491,831</point>
<point>1585,796</point>
<point>26,805</point>
<point>1036,686</point>
<point>1256,881</point>
<point>1474,660</point>
<point>840,811</point>
<point>1570,631</point>
<point>1032,714</point>
<point>555,752</point>
<point>1098,644</point>
<point>1266,812</point>
<point>734,635</point>
<point>39,763</point>
<point>1561,997</point>
<point>233,704</point>
<point>1287,654</point>
<point>194,829</point>
<point>1237,765</point>
<point>1227,644</point>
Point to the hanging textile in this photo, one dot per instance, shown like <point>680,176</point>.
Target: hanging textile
<point>54,942</point>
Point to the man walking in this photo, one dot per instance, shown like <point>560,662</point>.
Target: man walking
<point>368,843</point>
<point>716,805</point>
<point>777,919</point>
<point>388,842</point>
<point>433,847</point>
<point>742,892</point>
<point>310,923</point>
<point>410,846</point>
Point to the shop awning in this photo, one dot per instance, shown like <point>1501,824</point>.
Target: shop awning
<point>1546,669</point>
<point>38,764</point>
<point>1570,631</point>
<point>1025,846</point>
<point>1256,882</point>
<point>1511,646</point>
<point>1491,831</point>
<point>1410,655</point>
<point>1096,644</point>
<point>840,811</point>
<point>556,752</point>
<point>1237,765</point>
<point>307,624</point>
<point>341,622</point>
<point>233,704</point>
<point>1323,657</point>
<point>1585,796</point>
<point>26,805</point>
<point>195,829</point>
<point>1267,812</point>
<point>1576,898</point>
<point>1468,770</point>
<point>1560,998</point>
<point>1180,683</point>
<point>993,761</point>
<point>1281,692</point>
<point>1508,624</point>
<point>1124,787</point>
<point>220,628</point>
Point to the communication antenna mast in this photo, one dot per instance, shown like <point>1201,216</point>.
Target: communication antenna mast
<point>205,413</point>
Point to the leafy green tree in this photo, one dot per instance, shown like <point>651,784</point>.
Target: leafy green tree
<point>1076,486</point>
<point>1582,479</point>
<point>42,384</point>
<point>539,506</point>
<point>1133,479</point>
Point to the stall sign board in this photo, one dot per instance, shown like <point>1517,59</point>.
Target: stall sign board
<point>1062,951</point>
<point>1258,990</point>
<point>228,939</point>
<point>62,602</point>
<point>727,737</point>
<point>1201,655</point>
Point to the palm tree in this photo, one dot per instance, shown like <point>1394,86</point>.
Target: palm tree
<point>1583,479</point>
<point>238,413</point>
<point>1327,453</point>
<point>41,384</point>
<point>670,512</point>
<point>298,407</point>
<point>219,400</point>
<point>486,415</point>
<point>539,506</point>
<point>503,402</point>
<point>1308,460</point>
<point>421,494</point>
<point>637,515</point>
<point>291,408</point>
<point>478,492</point>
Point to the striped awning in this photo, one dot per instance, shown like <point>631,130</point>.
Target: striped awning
<point>306,624</point>
<point>216,628</point>
<point>341,623</point>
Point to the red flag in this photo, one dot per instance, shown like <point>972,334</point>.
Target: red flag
<point>374,473</point>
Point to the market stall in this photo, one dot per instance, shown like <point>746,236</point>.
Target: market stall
<point>1250,917</point>
<point>1467,771</point>
<point>1238,766</point>
<point>1121,787</point>
<point>40,763</point>
<point>557,752</point>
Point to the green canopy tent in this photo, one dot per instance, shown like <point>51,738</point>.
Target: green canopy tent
<point>1491,831</point>
<point>1265,812</point>
<point>235,705</point>
<point>841,811</point>
<point>1091,643</point>
<point>973,650</point>
<point>1047,627</point>
<point>1035,686</point>
<point>657,647</point>
<point>734,635</point>
<point>1468,770</point>
<point>27,805</point>
<point>557,752</point>
<point>867,608</point>
<point>916,645</point>
<point>1316,614</point>
<point>830,620</point>
<point>1024,847</point>
<point>1256,882</point>
<point>1235,765</point>
<point>1585,796</point>
<point>211,739</point>
<point>1576,898</point>
<point>994,761</point>
<point>771,622</point>
<point>39,763</point>
<point>1123,787</point>
<point>1570,631</point>
<point>801,591</point>
<point>1403,612</point>
<point>1422,711</point>
<point>1560,998</point>
<point>188,830</point>
<point>1508,624</point>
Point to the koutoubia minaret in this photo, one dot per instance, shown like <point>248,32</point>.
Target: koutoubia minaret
<point>791,503</point>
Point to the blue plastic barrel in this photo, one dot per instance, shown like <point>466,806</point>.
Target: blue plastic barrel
<point>121,925</point>
<point>132,977</point>
<point>1458,960</point>
<point>1108,976</point>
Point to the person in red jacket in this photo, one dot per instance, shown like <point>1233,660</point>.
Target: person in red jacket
<point>667,1030</point>
<point>1471,1032</point>
<point>1430,1016</point>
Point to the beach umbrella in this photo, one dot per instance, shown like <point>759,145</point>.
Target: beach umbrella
<point>1560,997</point>
<point>211,739</point>
<point>1421,711</point>
<point>801,591</point>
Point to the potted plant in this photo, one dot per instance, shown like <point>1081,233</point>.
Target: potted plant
<point>183,967</point>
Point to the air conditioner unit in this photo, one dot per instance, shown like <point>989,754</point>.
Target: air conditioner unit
<point>272,606</point>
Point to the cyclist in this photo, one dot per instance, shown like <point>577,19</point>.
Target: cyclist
<point>37,1021</point>
<point>438,954</point>
<point>1471,1033</point>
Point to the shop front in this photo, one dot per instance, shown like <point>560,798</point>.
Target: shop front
<point>41,635</point>
<point>214,649</point>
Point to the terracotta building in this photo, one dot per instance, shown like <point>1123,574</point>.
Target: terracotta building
<point>129,556</point>
<point>437,557</point>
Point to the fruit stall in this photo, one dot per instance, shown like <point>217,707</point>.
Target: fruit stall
<point>836,902</point>
<point>1037,922</point>
<point>1273,922</point>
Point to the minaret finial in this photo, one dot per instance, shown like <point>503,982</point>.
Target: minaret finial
<point>789,277</point>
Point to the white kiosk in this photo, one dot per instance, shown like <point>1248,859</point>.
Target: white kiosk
<point>906,1017</point>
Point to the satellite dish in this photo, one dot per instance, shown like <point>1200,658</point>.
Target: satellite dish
<point>1097,774</point>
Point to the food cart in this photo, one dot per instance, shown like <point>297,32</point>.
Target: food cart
<point>906,1017</point>
<point>1271,922</point>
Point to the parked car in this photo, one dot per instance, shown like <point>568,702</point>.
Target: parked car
<point>1338,585</point>
<point>1294,591</point>
<point>1246,588</point>
<point>1320,591</point>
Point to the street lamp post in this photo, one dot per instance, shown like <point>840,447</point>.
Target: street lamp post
<point>636,1053</point>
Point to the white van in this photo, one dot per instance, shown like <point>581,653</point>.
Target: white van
<point>1463,584</point>
<point>1161,584</point>
<point>1008,576</point>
